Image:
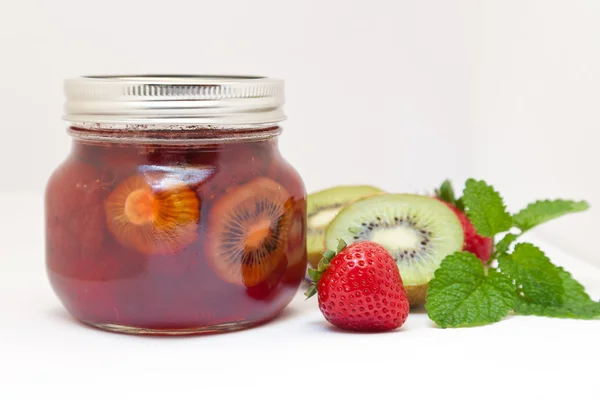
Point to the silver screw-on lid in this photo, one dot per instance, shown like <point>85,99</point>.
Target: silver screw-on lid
<point>173,100</point>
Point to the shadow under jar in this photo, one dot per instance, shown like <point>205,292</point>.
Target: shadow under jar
<point>175,212</point>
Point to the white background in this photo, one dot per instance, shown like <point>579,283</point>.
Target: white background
<point>400,94</point>
<point>44,354</point>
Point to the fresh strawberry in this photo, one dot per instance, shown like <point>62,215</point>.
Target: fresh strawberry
<point>481,246</point>
<point>360,288</point>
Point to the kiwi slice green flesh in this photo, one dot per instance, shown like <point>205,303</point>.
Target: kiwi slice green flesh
<point>322,207</point>
<point>418,231</point>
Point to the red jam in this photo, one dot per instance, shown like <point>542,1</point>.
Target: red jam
<point>175,238</point>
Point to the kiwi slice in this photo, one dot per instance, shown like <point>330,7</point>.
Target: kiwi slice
<point>248,232</point>
<point>322,207</point>
<point>418,231</point>
<point>154,213</point>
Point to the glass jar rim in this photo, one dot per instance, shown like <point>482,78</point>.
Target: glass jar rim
<point>173,135</point>
<point>171,100</point>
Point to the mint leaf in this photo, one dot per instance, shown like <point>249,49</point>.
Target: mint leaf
<point>537,279</point>
<point>544,289</point>
<point>485,208</point>
<point>542,211</point>
<point>574,291</point>
<point>576,303</point>
<point>504,243</point>
<point>460,294</point>
<point>589,310</point>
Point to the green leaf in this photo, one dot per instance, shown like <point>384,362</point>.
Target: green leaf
<point>460,294</point>
<point>542,211</point>
<point>589,310</point>
<point>574,291</point>
<point>328,255</point>
<point>537,279</point>
<point>544,289</point>
<point>341,245</point>
<point>576,303</point>
<point>504,243</point>
<point>485,209</point>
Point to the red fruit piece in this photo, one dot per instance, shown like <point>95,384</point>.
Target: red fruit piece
<point>89,301</point>
<point>362,290</point>
<point>265,289</point>
<point>175,265</point>
<point>74,214</point>
<point>88,287</point>
<point>481,246</point>
<point>166,155</point>
<point>236,165</point>
<point>118,161</point>
<point>109,265</point>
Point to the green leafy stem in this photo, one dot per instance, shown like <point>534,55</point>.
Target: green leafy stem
<point>525,281</point>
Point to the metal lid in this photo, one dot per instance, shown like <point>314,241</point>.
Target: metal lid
<point>173,100</point>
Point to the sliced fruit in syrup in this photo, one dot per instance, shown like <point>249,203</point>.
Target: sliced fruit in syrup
<point>153,212</point>
<point>248,232</point>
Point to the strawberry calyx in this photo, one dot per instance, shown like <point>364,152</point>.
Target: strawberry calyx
<point>446,194</point>
<point>315,273</point>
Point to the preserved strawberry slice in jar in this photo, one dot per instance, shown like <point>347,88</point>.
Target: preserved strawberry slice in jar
<point>74,216</point>
<point>236,166</point>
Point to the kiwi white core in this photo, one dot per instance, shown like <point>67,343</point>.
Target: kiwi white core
<point>397,236</point>
<point>323,217</point>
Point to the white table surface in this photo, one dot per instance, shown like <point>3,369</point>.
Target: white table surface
<point>45,354</point>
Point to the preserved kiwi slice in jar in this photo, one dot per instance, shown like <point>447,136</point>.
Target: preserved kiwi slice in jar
<point>267,287</point>
<point>248,232</point>
<point>154,213</point>
<point>296,251</point>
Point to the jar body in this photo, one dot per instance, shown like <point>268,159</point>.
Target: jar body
<point>175,238</point>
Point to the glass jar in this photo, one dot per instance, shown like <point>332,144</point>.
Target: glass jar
<point>175,212</point>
